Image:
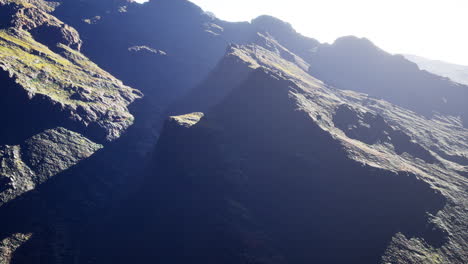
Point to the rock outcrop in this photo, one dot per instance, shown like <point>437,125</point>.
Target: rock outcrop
<point>39,158</point>
<point>45,28</point>
<point>55,103</point>
<point>357,64</point>
<point>275,148</point>
<point>78,90</point>
<point>287,170</point>
<point>9,245</point>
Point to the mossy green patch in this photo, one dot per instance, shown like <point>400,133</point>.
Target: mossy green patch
<point>39,4</point>
<point>42,71</point>
<point>67,77</point>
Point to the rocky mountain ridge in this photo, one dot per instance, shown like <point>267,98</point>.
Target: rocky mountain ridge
<point>236,127</point>
<point>281,149</point>
<point>47,85</point>
<point>457,73</point>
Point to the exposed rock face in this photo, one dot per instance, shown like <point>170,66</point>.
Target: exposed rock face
<point>373,129</point>
<point>164,49</point>
<point>56,150</point>
<point>45,28</point>
<point>110,174</point>
<point>39,158</point>
<point>79,92</point>
<point>187,120</point>
<point>271,165</point>
<point>146,50</point>
<point>280,171</point>
<point>55,103</point>
<point>285,34</point>
<point>358,65</point>
<point>9,245</point>
<point>164,40</point>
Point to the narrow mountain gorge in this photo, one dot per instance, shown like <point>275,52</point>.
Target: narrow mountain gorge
<point>158,133</point>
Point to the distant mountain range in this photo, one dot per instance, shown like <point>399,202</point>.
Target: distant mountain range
<point>457,73</point>
<point>158,133</point>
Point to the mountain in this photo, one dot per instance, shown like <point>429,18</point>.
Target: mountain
<point>287,170</point>
<point>357,64</point>
<point>457,73</point>
<point>156,132</point>
<point>56,103</point>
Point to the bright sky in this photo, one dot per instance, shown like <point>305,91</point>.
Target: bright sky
<point>435,29</point>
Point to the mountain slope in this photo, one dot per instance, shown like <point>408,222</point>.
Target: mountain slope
<point>286,170</point>
<point>357,64</point>
<point>457,73</point>
<point>55,105</point>
<point>286,164</point>
<point>49,85</point>
<point>55,71</point>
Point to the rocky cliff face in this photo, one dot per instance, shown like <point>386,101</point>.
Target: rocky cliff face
<point>47,84</point>
<point>357,64</point>
<point>80,91</point>
<point>287,170</point>
<point>280,150</point>
<point>55,105</point>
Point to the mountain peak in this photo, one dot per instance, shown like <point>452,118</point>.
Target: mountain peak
<point>267,22</point>
<point>355,43</point>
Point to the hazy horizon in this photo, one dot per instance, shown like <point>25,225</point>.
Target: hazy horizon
<point>431,29</point>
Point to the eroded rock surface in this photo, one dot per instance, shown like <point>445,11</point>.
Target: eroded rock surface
<point>23,167</point>
<point>55,104</point>
<point>9,245</point>
<point>285,169</point>
<point>357,64</point>
<point>77,90</point>
<point>280,167</point>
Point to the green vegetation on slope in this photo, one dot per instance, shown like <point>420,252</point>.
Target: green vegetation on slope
<point>41,54</point>
<point>39,70</point>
